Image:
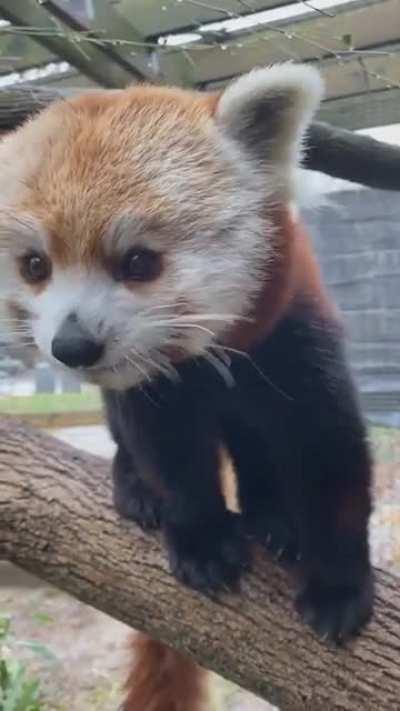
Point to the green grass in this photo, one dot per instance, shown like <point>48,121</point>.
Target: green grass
<point>43,403</point>
<point>18,691</point>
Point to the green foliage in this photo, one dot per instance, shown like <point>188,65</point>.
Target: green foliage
<point>43,618</point>
<point>18,692</point>
<point>44,403</point>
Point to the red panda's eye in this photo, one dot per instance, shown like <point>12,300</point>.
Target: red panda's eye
<point>35,267</point>
<point>141,264</point>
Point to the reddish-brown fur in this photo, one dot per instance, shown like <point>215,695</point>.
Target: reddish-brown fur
<point>295,274</point>
<point>161,679</point>
<point>81,136</point>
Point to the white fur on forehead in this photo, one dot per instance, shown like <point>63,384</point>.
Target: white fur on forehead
<point>269,109</point>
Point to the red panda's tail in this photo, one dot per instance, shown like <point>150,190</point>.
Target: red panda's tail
<point>163,680</point>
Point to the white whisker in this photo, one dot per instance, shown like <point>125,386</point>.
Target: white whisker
<point>194,318</point>
<point>223,355</point>
<point>165,368</point>
<point>232,350</point>
<point>257,369</point>
<point>178,325</point>
<point>138,367</point>
<point>221,368</point>
<point>196,326</point>
<point>160,307</point>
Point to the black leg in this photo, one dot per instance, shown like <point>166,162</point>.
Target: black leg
<point>173,432</point>
<point>338,587</point>
<point>261,499</point>
<point>308,414</point>
<point>133,497</point>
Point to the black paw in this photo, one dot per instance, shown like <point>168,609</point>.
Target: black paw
<point>137,502</point>
<point>338,612</point>
<point>209,556</point>
<point>276,535</point>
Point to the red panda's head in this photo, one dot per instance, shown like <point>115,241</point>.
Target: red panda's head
<point>136,226</point>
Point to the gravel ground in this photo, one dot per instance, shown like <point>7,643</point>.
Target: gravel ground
<point>89,648</point>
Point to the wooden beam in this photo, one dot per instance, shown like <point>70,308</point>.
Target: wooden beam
<point>375,108</point>
<point>107,24</point>
<point>308,39</point>
<point>187,15</point>
<point>89,58</point>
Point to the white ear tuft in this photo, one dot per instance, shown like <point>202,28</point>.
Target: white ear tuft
<point>268,110</point>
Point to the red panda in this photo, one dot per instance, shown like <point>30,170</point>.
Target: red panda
<point>149,242</point>
<point>162,679</point>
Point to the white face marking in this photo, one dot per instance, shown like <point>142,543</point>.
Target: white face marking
<point>213,183</point>
<point>19,234</point>
<point>186,308</point>
<point>208,282</point>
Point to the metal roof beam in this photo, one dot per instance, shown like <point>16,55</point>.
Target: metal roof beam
<point>187,15</point>
<point>123,57</point>
<point>123,43</point>
<point>376,108</point>
<point>86,57</point>
<point>354,31</point>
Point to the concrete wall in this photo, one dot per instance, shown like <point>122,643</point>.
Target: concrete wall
<point>357,239</point>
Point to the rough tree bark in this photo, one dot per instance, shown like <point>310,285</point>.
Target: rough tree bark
<point>57,521</point>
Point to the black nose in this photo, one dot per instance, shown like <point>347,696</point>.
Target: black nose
<point>74,346</point>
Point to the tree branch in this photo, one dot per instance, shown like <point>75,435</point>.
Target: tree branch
<point>352,156</point>
<point>20,102</point>
<point>334,151</point>
<point>57,521</point>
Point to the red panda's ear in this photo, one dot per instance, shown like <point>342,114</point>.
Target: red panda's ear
<point>269,109</point>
